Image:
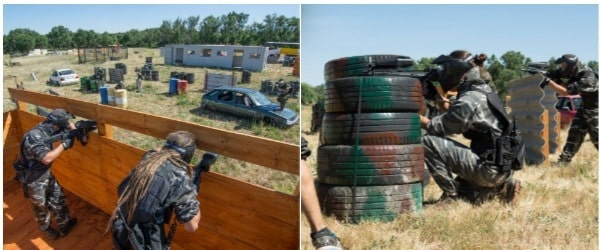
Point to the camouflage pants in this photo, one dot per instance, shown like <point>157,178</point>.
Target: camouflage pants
<point>47,197</point>
<point>282,99</point>
<point>444,156</point>
<point>584,122</point>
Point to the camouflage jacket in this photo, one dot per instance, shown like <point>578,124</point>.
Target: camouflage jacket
<point>585,83</point>
<point>470,113</point>
<point>171,190</point>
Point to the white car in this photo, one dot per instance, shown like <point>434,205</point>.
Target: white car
<point>63,77</point>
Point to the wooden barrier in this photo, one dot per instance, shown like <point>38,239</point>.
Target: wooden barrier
<point>235,214</point>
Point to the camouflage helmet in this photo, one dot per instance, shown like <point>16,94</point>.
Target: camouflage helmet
<point>570,66</point>
<point>59,117</point>
<point>453,68</point>
<point>183,142</point>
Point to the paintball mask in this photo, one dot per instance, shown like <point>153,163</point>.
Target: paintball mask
<point>182,142</point>
<point>451,70</point>
<point>60,118</point>
<point>567,65</point>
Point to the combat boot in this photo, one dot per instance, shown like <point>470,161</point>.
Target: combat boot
<point>509,191</point>
<point>65,230</point>
<point>563,160</point>
<point>51,233</point>
<point>325,239</point>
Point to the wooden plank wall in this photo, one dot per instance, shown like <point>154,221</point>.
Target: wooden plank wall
<point>12,143</point>
<point>235,214</point>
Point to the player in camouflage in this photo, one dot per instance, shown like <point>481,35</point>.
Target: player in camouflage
<point>42,189</point>
<point>581,80</point>
<point>471,116</point>
<point>284,89</point>
<point>318,111</point>
<point>161,184</point>
<point>322,237</point>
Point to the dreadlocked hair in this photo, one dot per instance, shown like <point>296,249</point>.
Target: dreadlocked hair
<point>140,180</point>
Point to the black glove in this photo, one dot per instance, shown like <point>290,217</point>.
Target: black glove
<point>67,143</point>
<point>208,159</point>
<point>545,82</point>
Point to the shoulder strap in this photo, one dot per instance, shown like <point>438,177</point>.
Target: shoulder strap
<point>497,108</point>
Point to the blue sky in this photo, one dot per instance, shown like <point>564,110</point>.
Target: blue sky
<point>114,18</point>
<point>537,31</point>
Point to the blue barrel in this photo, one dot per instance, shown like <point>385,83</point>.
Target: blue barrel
<point>104,95</point>
<point>173,86</point>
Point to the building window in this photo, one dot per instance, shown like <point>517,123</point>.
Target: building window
<point>191,52</point>
<point>206,52</point>
<point>221,53</point>
<point>255,55</point>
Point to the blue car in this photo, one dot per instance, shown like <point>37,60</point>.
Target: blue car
<point>248,103</point>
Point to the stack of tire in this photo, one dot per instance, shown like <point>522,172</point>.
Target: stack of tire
<point>370,161</point>
<point>121,66</point>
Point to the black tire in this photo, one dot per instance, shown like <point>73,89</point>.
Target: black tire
<point>371,129</point>
<point>376,94</point>
<point>382,203</point>
<point>362,65</point>
<point>370,165</point>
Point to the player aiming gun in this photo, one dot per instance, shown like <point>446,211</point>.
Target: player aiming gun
<point>208,159</point>
<point>542,68</point>
<point>82,128</point>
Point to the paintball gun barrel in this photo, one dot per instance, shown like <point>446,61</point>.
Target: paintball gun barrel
<point>208,159</point>
<point>82,128</point>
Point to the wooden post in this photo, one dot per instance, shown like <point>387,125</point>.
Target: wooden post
<point>546,137</point>
<point>22,106</point>
<point>105,130</point>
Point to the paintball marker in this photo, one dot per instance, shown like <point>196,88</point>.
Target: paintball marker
<point>542,68</point>
<point>82,128</point>
<point>208,159</point>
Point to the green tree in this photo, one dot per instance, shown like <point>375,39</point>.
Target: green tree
<point>178,31</point>
<point>210,30</point>
<point>593,65</point>
<point>193,24</point>
<point>308,94</point>
<point>105,39</point>
<point>425,63</point>
<point>60,37</point>
<point>23,41</point>
<point>233,27</point>
<point>165,33</point>
<point>514,60</point>
<point>85,39</point>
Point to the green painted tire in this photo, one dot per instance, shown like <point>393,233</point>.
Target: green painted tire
<point>371,129</point>
<point>376,94</point>
<point>371,165</point>
<point>373,203</point>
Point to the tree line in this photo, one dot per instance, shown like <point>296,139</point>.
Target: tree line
<point>229,29</point>
<point>503,69</point>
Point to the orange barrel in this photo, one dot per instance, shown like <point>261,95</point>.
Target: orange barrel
<point>182,87</point>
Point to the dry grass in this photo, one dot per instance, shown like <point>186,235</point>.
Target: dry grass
<point>155,100</point>
<point>557,209</point>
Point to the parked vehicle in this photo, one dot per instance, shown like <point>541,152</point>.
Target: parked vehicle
<point>567,107</point>
<point>248,103</point>
<point>63,77</point>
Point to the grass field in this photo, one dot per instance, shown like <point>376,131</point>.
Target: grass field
<point>557,209</point>
<point>154,99</point>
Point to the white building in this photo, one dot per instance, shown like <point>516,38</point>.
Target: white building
<point>253,58</point>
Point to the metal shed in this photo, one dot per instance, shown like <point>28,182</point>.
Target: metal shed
<point>252,58</point>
